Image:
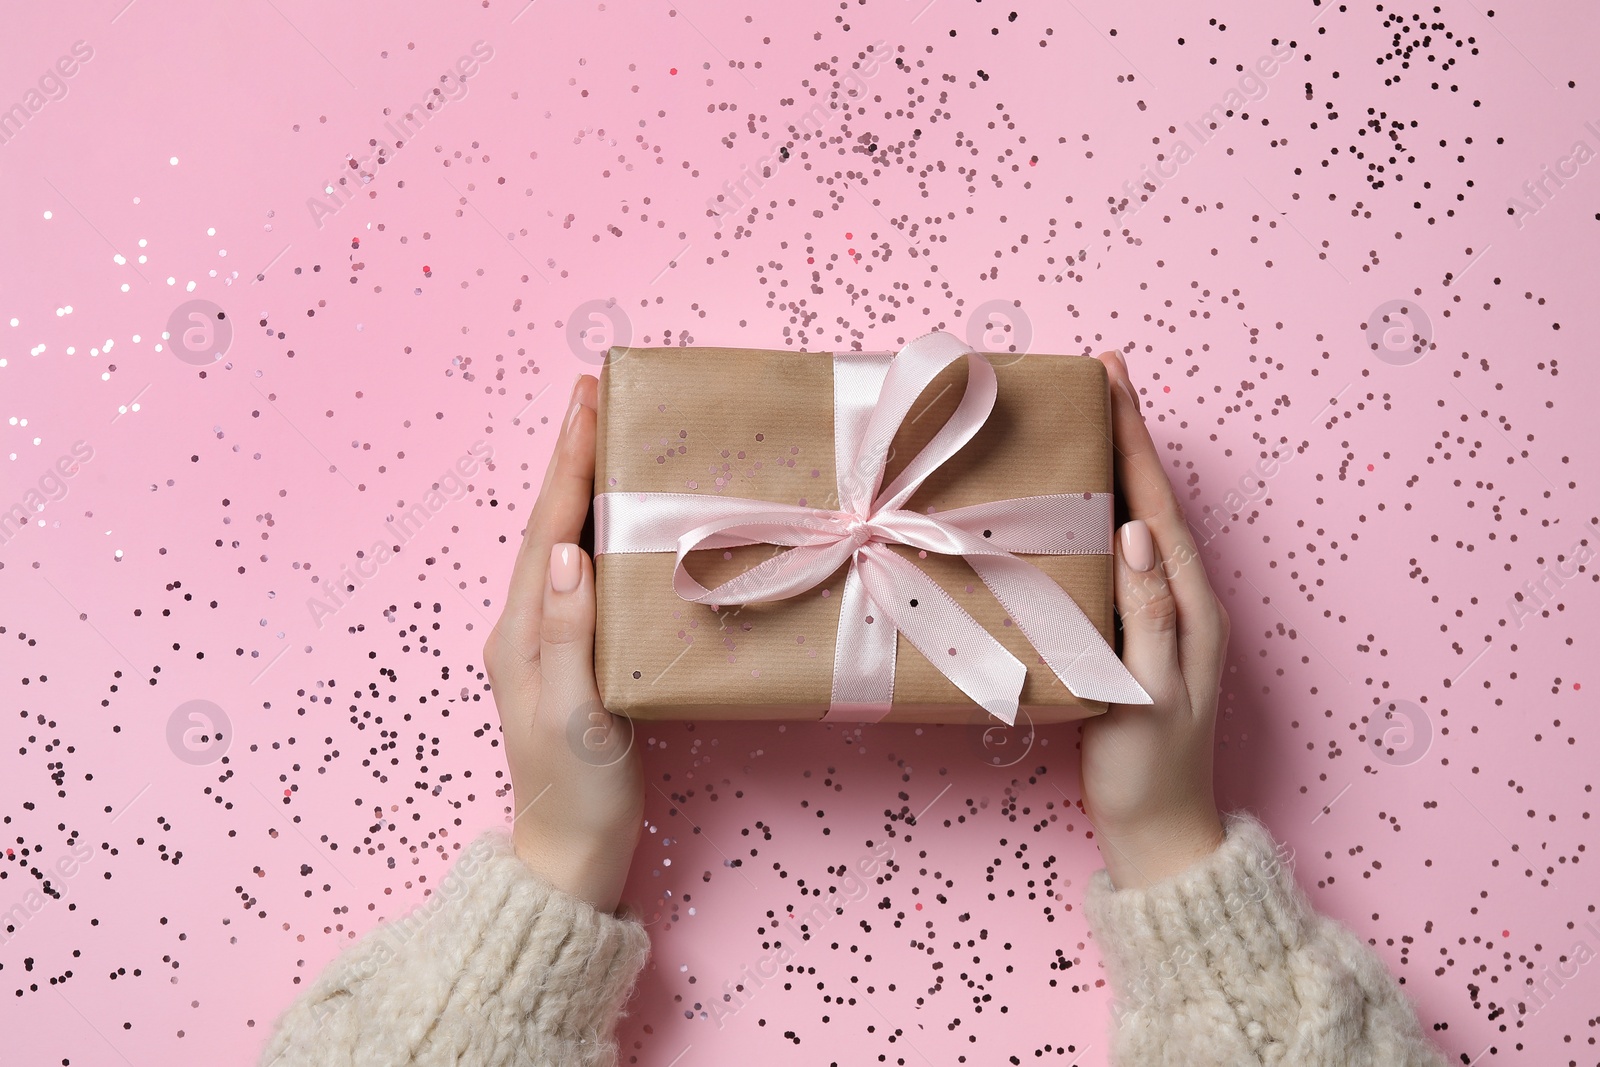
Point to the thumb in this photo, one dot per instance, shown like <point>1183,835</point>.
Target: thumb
<point>1148,610</point>
<point>566,629</point>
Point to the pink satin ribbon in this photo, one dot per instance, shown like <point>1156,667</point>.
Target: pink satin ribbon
<point>884,594</point>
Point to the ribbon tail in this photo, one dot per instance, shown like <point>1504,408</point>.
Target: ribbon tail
<point>941,630</point>
<point>1066,639</point>
<point>863,657</point>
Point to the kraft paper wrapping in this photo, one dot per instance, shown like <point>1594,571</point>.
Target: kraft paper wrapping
<point>759,424</point>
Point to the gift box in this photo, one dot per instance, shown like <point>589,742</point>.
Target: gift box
<point>739,576</point>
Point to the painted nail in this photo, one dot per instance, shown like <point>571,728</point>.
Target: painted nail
<point>572,412</point>
<point>565,569</point>
<point>1138,550</point>
<point>1127,390</point>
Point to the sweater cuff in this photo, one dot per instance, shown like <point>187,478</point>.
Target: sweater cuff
<point>1237,911</point>
<point>496,967</point>
<point>557,969</point>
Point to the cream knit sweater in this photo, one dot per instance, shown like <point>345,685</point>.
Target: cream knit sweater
<point>1228,963</point>
<point>1224,964</point>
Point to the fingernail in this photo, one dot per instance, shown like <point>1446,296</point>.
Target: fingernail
<point>564,568</point>
<point>572,412</point>
<point>1138,550</point>
<point>1127,390</point>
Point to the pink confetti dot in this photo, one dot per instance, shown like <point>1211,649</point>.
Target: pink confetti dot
<point>951,651</point>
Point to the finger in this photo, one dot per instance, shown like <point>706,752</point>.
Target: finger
<point>1149,496</point>
<point>1144,484</point>
<point>566,631</point>
<point>1148,611</point>
<point>568,489</point>
<point>557,515</point>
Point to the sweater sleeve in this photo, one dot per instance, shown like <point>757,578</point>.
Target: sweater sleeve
<point>496,967</point>
<point>1228,963</point>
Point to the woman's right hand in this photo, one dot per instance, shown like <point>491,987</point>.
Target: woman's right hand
<point>1147,768</point>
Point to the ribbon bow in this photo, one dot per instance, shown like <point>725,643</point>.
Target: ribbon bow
<point>883,593</point>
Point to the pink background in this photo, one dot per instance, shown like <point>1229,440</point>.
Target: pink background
<point>433,312</point>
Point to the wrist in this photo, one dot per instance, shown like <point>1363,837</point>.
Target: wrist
<point>1152,850</point>
<point>590,874</point>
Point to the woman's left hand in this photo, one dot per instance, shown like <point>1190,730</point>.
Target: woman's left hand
<point>576,776</point>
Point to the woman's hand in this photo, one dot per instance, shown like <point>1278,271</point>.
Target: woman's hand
<point>576,778</point>
<point>1147,768</point>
